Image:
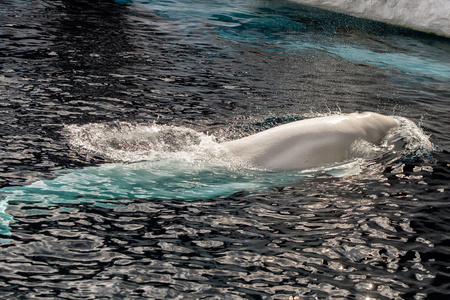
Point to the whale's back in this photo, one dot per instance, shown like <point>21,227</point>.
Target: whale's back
<point>311,142</point>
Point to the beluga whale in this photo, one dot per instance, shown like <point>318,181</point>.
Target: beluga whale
<point>310,142</point>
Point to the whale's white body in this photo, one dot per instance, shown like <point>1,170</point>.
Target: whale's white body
<point>311,142</point>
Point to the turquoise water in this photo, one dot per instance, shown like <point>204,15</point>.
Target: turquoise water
<point>285,27</point>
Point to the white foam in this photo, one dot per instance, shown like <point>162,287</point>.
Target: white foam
<point>414,142</point>
<point>126,142</point>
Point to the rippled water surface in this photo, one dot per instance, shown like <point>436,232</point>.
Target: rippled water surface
<point>114,186</point>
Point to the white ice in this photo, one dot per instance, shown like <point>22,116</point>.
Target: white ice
<point>432,16</point>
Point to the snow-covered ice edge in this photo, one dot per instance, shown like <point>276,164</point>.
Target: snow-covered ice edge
<point>431,16</point>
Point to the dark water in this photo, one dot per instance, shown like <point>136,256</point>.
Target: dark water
<point>226,68</point>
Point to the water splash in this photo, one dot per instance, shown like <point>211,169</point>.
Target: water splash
<point>410,141</point>
<point>150,161</point>
<point>154,161</point>
<point>160,161</point>
<point>126,142</point>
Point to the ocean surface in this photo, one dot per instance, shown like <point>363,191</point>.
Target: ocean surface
<point>113,184</point>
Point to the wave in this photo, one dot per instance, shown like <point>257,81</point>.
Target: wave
<point>161,161</point>
<point>151,161</point>
<point>279,27</point>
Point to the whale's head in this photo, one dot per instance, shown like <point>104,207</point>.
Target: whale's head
<point>376,126</point>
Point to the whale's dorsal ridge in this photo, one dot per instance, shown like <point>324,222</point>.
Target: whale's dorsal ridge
<point>310,142</point>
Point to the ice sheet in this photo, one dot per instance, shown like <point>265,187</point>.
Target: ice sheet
<point>432,16</point>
